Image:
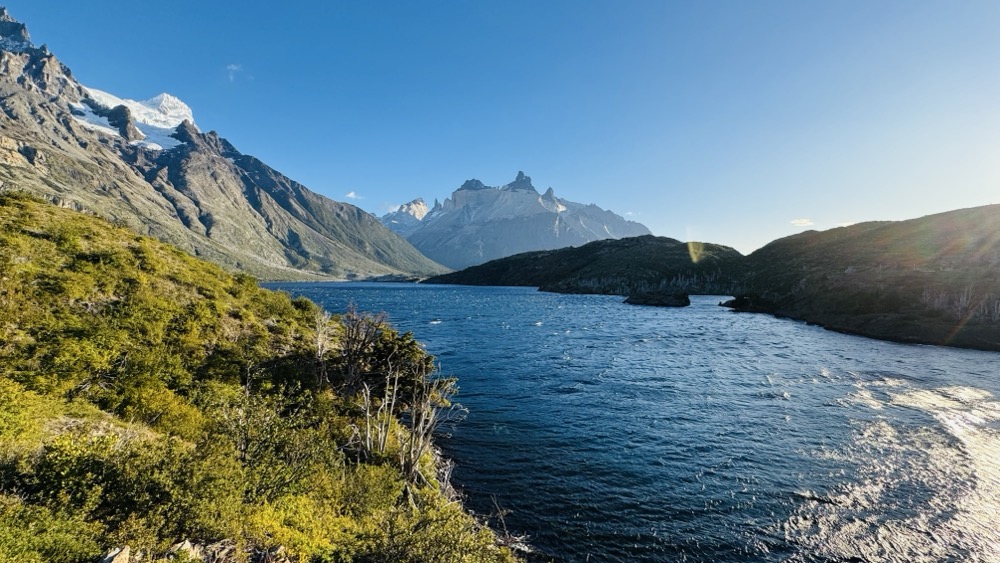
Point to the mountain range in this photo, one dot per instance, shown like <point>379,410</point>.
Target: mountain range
<point>146,164</point>
<point>479,223</point>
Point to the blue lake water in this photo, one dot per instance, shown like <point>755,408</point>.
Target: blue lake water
<point>620,433</point>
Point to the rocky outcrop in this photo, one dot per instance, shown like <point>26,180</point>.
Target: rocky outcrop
<point>521,182</point>
<point>117,555</point>
<point>473,185</point>
<point>13,34</point>
<point>224,551</point>
<point>659,299</point>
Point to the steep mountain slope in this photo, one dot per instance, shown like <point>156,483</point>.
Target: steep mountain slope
<point>935,279</point>
<point>479,223</point>
<point>147,165</point>
<point>626,266</point>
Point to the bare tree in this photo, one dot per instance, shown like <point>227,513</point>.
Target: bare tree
<point>360,332</point>
<point>429,407</point>
<point>324,338</point>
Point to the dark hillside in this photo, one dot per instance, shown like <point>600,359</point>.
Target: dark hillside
<point>932,280</point>
<point>935,279</point>
<point>616,267</point>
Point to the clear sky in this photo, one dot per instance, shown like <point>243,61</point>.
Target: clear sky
<point>734,122</point>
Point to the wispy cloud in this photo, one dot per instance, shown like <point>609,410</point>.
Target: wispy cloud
<point>802,222</point>
<point>234,70</point>
<point>353,195</point>
<point>848,224</point>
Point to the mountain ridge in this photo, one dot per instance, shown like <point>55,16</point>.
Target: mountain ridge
<point>479,223</point>
<point>199,192</point>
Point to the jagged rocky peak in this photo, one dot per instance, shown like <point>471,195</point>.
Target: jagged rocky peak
<point>416,208</point>
<point>473,185</point>
<point>186,132</point>
<point>171,107</point>
<point>522,182</point>
<point>13,34</point>
<point>549,194</point>
<point>407,217</point>
<point>121,118</point>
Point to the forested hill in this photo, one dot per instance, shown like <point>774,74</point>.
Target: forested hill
<point>935,279</point>
<point>931,280</point>
<point>148,398</point>
<point>617,267</point>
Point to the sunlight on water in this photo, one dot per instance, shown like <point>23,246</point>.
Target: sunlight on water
<point>921,494</point>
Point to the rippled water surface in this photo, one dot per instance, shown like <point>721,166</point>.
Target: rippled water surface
<point>621,433</point>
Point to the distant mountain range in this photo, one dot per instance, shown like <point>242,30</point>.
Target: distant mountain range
<point>479,223</point>
<point>933,280</point>
<point>146,164</point>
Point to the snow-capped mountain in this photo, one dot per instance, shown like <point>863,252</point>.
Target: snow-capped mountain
<point>145,164</point>
<point>406,217</point>
<point>479,223</point>
<point>154,120</point>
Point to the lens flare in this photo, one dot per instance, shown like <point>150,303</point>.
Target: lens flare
<point>696,250</point>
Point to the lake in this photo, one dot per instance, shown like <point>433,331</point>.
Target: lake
<point>611,432</point>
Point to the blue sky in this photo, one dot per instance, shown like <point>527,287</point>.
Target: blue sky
<point>734,122</point>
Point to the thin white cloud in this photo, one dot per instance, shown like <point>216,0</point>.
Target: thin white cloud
<point>847,224</point>
<point>353,195</point>
<point>233,70</point>
<point>802,222</point>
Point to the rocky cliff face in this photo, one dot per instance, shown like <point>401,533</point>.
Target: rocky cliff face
<point>147,165</point>
<point>479,223</point>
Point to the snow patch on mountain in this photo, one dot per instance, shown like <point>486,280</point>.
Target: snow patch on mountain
<point>406,217</point>
<point>156,118</point>
<point>163,111</point>
<point>14,45</point>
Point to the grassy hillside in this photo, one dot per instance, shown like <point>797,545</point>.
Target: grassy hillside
<point>618,267</point>
<point>147,397</point>
<point>934,279</point>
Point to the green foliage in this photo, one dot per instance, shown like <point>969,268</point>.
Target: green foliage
<point>31,533</point>
<point>147,397</point>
